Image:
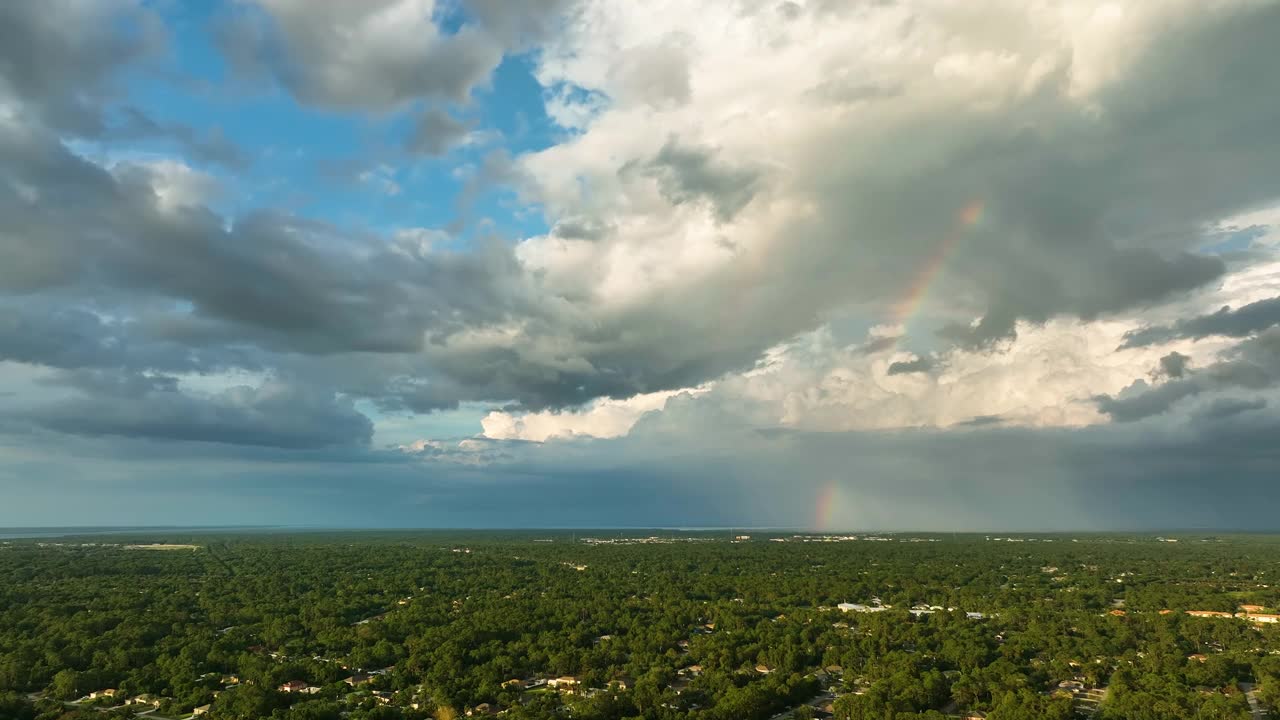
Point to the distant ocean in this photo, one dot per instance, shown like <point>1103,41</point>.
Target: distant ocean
<point>58,532</point>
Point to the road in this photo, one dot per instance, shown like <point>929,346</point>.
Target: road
<point>1251,694</point>
<point>150,714</point>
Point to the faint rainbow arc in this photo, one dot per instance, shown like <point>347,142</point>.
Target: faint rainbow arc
<point>925,278</point>
<point>825,506</point>
<point>901,314</point>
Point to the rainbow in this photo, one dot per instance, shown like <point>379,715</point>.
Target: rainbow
<point>828,496</point>
<point>907,307</point>
<point>825,506</point>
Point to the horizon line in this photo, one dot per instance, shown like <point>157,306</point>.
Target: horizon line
<point>611,528</point>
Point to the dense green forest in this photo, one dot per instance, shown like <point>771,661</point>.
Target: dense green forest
<point>320,626</point>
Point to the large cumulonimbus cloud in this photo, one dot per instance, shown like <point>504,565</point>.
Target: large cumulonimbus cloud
<point>992,223</point>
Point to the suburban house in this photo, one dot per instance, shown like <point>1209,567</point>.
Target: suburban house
<point>293,686</point>
<point>109,692</point>
<point>622,682</point>
<point>1263,617</point>
<point>1071,685</point>
<point>859,607</point>
<point>1252,608</point>
<point>358,679</point>
<point>1209,614</point>
<point>196,712</point>
<point>566,683</point>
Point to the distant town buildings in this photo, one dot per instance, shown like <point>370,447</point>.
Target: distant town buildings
<point>859,607</point>
<point>1247,612</point>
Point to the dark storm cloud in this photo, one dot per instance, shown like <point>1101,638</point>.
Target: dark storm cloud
<point>1238,322</point>
<point>270,279</point>
<point>1140,400</point>
<point>1226,407</point>
<point>73,338</point>
<point>61,60</point>
<point>1173,365</point>
<point>334,54</point>
<point>1067,193</point>
<point>982,421</point>
<point>69,336</point>
<point>918,364</point>
<point>124,385</point>
<point>1123,279</point>
<point>273,415</point>
<point>1252,365</point>
<point>1153,474</point>
<point>700,465</point>
<point>581,228</point>
<point>436,133</point>
<point>204,296</point>
<point>994,478</point>
<point>995,326</point>
<point>58,57</point>
<point>988,476</point>
<point>689,174</point>
<point>101,273</point>
<point>1068,199</point>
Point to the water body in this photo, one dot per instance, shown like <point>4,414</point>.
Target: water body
<point>62,532</point>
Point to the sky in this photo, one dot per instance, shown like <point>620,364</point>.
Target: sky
<point>830,265</point>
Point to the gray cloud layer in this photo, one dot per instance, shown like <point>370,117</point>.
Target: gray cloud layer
<point>1253,365</point>
<point>100,272</point>
<point>921,364</point>
<point>269,416</point>
<point>1238,322</point>
<point>376,54</point>
<point>1164,472</point>
<point>689,174</point>
<point>58,58</point>
<point>437,131</point>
